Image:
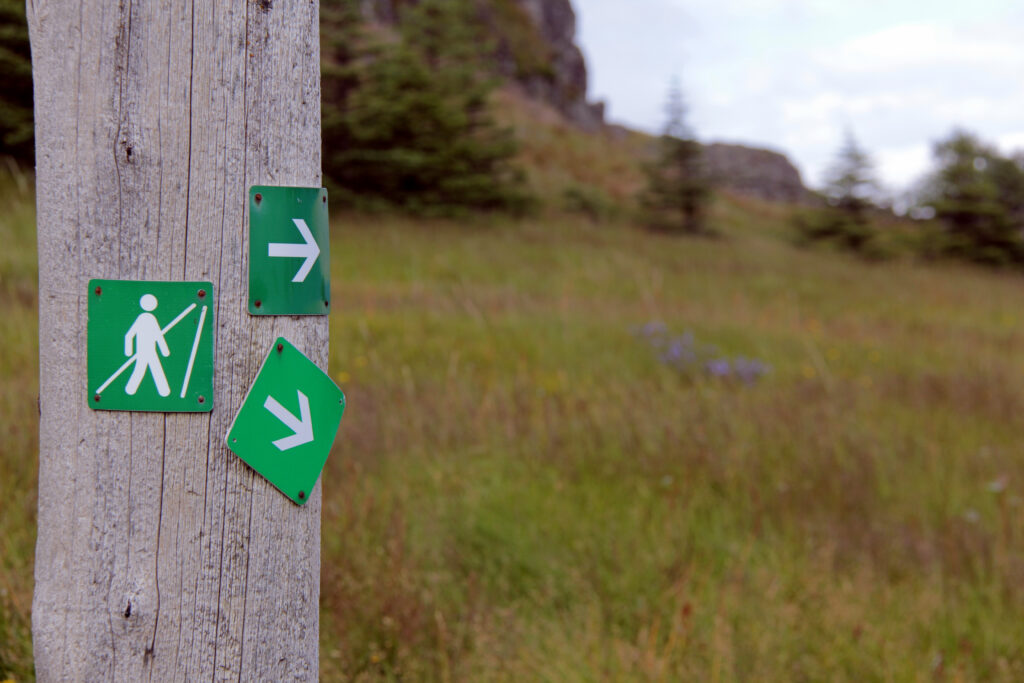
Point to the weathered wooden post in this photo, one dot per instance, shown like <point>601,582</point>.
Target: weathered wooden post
<point>161,555</point>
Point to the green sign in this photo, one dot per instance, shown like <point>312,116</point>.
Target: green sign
<point>288,420</point>
<point>150,346</point>
<point>289,251</point>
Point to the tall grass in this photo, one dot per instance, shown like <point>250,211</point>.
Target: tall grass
<point>19,443</point>
<point>523,490</point>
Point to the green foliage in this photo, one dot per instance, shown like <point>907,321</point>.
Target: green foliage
<point>590,202</point>
<point>678,190</point>
<point>16,132</point>
<point>850,182</point>
<point>407,121</point>
<point>845,221</point>
<point>979,196</point>
<point>845,230</point>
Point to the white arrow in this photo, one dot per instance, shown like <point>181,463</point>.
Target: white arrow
<point>303,428</point>
<point>309,250</point>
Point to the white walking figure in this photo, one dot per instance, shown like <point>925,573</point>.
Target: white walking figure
<point>143,339</point>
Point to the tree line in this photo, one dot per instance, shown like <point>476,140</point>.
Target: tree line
<point>972,200</point>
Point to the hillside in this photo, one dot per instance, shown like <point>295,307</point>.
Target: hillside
<point>535,51</point>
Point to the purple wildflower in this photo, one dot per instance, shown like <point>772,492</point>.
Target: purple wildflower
<point>685,356</point>
<point>718,367</point>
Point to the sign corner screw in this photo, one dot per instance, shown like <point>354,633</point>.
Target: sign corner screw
<point>202,399</point>
<point>302,495</point>
<point>280,348</point>
<point>201,293</point>
<point>98,290</point>
<point>258,198</point>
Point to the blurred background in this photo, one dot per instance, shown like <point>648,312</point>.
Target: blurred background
<point>681,341</point>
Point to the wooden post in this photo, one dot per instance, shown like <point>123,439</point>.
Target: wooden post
<point>160,555</point>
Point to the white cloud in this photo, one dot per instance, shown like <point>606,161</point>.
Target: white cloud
<point>1011,143</point>
<point>910,46</point>
<point>901,166</point>
<point>795,73</point>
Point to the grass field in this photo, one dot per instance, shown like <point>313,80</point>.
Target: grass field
<point>523,490</point>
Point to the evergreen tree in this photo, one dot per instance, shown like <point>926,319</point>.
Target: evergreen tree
<point>678,191</point>
<point>408,122</point>
<point>849,187</point>
<point>16,126</point>
<point>850,181</point>
<point>979,196</point>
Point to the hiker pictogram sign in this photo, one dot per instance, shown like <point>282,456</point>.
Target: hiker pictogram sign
<point>289,251</point>
<point>150,346</point>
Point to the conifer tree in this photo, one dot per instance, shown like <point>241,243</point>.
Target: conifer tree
<point>979,196</point>
<point>678,191</point>
<point>850,181</point>
<point>849,188</point>
<point>409,122</point>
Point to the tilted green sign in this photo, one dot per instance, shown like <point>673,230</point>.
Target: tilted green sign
<point>150,346</point>
<point>289,251</point>
<point>288,420</point>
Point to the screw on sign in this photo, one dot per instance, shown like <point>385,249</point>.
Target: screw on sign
<point>171,363</point>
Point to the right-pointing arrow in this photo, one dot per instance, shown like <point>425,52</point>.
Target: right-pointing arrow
<point>308,250</point>
<point>303,427</point>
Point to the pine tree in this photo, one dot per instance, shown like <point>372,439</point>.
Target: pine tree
<point>678,191</point>
<point>979,196</point>
<point>850,181</point>
<point>849,187</point>
<point>409,122</point>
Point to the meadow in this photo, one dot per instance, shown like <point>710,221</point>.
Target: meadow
<point>526,486</point>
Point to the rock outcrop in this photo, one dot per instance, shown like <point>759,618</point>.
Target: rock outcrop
<point>535,48</point>
<point>753,172</point>
<point>564,83</point>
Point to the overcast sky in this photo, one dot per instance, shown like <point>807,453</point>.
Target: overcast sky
<point>792,75</point>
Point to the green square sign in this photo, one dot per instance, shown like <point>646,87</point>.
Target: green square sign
<point>288,420</point>
<point>150,346</point>
<point>289,251</point>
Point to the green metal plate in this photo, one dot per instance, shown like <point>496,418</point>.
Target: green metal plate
<point>288,420</point>
<point>150,346</point>
<point>289,251</point>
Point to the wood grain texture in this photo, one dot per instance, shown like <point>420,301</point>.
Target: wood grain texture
<point>160,555</point>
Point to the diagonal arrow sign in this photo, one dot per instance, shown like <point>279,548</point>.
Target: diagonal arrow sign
<point>308,250</point>
<point>303,427</point>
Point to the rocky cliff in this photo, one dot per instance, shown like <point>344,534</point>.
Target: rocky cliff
<point>535,48</point>
<point>564,83</point>
<point>755,172</point>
